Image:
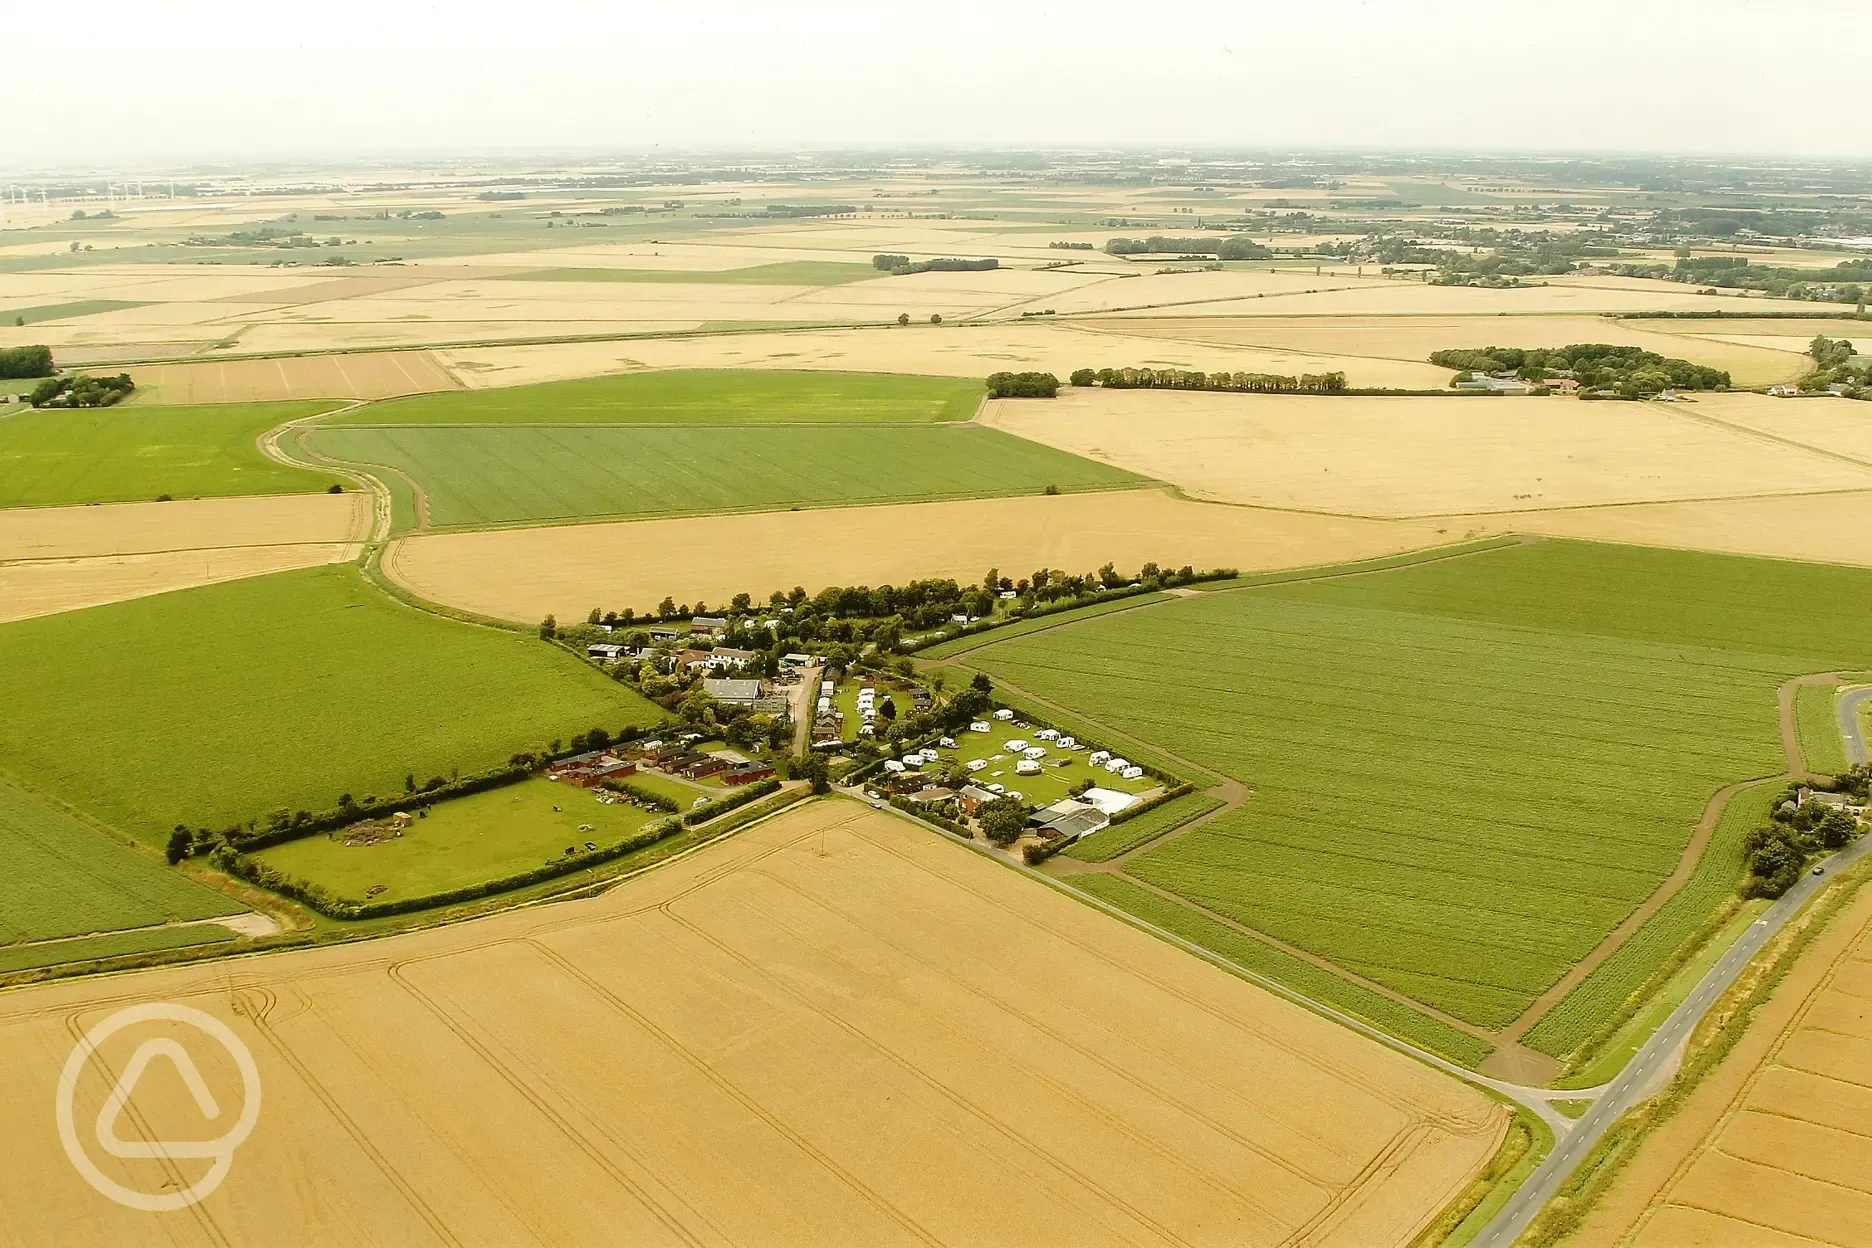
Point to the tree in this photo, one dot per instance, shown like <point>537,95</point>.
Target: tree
<point>1083,377</point>
<point>667,607</point>
<point>20,362</point>
<point>813,769</point>
<point>981,684</point>
<point>180,844</point>
<point>903,318</point>
<point>935,318</point>
<point>1837,829</point>
<point>548,629</point>
<point>595,616</point>
<point>1003,820</point>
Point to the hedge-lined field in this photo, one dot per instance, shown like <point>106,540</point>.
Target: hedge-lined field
<point>1598,1004</point>
<point>63,878</point>
<point>1466,773</point>
<point>113,945</point>
<point>1296,973</point>
<point>495,474</point>
<point>218,705</point>
<point>706,396</point>
<point>127,454</point>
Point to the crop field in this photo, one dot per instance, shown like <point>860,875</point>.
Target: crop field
<point>119,454</point>
<point>1769,1147</point>
<point>283,691</point>
<point>1139,1094</point>
<point>466,840</point>
<point>1819,729</point>
<point>66,878</point>
<point>365,375</point>
<point>1428,456</point>
<point>522,574</point>
<point>505,474</point>
<point>720,396</point>
<point>1821,527</point>
<point>779,273</point>
<point>1465,773</point>
<point>1119,838</point>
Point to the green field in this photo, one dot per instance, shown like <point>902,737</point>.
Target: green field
<point>783,273</point>
<point>1466,773</point>
<point>64,311</point>
<point>1108,843</point>
<point>711,396</point>
<point>485,836</point>
<point>112,945</point>
<point>66,878</point>
<point>218,705</point>
<point>124,454</point>
<point>1818,725</point>
<point>501,475</point>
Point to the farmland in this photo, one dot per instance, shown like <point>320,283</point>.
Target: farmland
<point>1139,1094</point>
<point>1119,838</point>
<point>467,840</point>
<point>694,397</point>
<point>506,474</point>
<point>120,454</point>
<point>1819,731</point>
<point>283,691</point>
<point>65,878</point>
<point>1489,761</point>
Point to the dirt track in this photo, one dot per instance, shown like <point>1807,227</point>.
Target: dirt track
<point>834,1028</point>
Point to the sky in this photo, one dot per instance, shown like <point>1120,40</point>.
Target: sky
<point>136,85</point>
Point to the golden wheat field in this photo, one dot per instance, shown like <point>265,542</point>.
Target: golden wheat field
<point>1771,1148</point>
<point>833,1028</point>
<point>1422,456</point>
<point>366,375</point>
<point>522,574</point>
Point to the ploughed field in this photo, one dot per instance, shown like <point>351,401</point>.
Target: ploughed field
<point>1465,773</point>
<point>496,474</point>
<point>808,1033</point>
<point>218,705</point>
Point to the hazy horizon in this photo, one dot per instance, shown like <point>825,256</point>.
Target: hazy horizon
<point>208,81</point>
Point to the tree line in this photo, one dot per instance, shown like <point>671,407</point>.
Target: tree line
<point>898,266</point>
<point>1233,247</point>
<point>1837,363</point>
<point>1629,372</point>
<point>1023,385</point>
<point>1187,379</point>
<point>24,362</point>
<point>82,391</point>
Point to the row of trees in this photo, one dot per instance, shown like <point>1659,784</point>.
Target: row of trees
<point>1628,371</point>
<point>898,266</point>
<point>1231,247</point>
<point>1186,379</point>
<point>1837,363</point>
<point>22,362</point>
<point>1846,282</point>
<point>1023,385</point>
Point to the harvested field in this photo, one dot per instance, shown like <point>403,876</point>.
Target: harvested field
<point>949,350</point>
<point>521,574</point>
<point>186,524</point>
<point>1840,427</point>
<point>801,1012</point>
<point>1422,456</point>
<point>1414,338</point>
<point>63,558</point>
<point>364,376</point>
<point>1770,1147</point>
<point>1405,298</point>
<point>1829,528</point>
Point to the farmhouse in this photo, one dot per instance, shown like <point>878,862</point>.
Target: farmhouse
<point>973,797</point>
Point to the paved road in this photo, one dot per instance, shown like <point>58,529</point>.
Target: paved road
<point>1847,711</point>
<point>1651,1063</point>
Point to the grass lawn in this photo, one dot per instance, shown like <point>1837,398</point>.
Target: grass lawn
<point>123,454</point>
<point>709,396</point>
<point>1053,781</point>
<point>1466,773</point>
<point>215,706</point>
<point>485,836</point>
<point>782,273</point>
<point>66,878</point>
<point>512,474</point>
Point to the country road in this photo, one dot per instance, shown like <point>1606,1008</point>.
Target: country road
<point>1652,1062</point>
<point>1847,711</point>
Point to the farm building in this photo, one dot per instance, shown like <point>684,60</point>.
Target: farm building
<point>605,652</point>
<point>1070,819</point>
<point>974,797</point>
<point>733,692</point>
<point>708,624</point>
<point>1108,801</point>
<point>589,769</point>
<point>747,773</point>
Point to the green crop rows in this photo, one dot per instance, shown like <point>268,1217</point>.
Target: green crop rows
<point>693,397</point>
<point>1600,1001</point>
<point>125,454</point>
<point>962,645</point>
<point>1818,729</point>
<point>1466,773</point>
<point>1119,838</point>
<point>64,878</point>
<point>217,705</point>
<point>1296,973</point>
<point>504,474</point>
